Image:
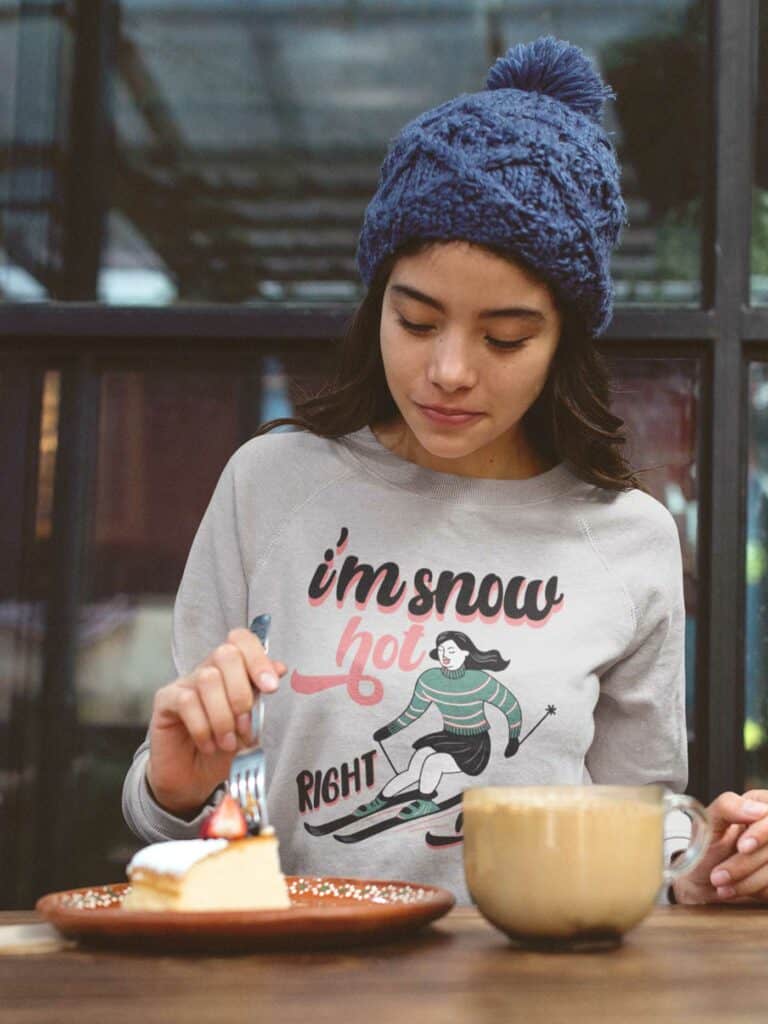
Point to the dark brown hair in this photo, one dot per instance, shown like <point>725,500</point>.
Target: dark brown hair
<point>570,420</point>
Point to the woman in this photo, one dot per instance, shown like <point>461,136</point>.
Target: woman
<point>465,471</point>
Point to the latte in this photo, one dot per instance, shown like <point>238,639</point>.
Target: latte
<point>564,862</point>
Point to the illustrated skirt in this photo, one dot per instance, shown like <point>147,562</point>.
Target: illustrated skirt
<point>471,752</point>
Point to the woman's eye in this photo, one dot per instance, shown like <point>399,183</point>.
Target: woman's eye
<point>506,345</point>
<point>415,328</point>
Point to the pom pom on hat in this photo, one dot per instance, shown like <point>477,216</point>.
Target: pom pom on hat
<point>555,68</point>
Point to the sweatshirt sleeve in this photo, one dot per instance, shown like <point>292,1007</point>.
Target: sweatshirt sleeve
<point>212,599</point>
<point>640,735</point>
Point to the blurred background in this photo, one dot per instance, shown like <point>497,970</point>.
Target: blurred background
<point>181,187</point>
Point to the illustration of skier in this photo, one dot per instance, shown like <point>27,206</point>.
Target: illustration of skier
<point>460,688</point>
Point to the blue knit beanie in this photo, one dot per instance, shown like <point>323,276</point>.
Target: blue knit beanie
<point>523,167</point>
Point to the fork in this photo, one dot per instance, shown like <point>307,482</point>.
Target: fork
<point>247,771</point>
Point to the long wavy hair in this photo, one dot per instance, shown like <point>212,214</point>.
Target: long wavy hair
<point>476,658</point>
<point>571,419</point>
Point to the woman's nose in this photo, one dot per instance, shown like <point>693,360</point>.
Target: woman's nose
<point>450,362</point>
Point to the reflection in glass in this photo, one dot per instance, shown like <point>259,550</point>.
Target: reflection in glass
<point>659,73</point>
<point>247,137</point>
<point>249,179</point>
<point>35,79</point>
<point>163,439</point>
<point>756,570</point>
<point>658,399</point>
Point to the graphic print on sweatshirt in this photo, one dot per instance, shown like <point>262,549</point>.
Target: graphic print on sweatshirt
<point>462,687</point>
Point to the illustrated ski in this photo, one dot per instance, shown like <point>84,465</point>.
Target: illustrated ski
<point>336,824</point>
<point>435,840</point>
<point>438,840</point>
<point>393,822</point>
<point>349,819</point>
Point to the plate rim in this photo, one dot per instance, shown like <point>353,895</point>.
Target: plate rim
<point>98,920</point>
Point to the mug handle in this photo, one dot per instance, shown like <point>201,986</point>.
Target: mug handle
<point>702,830</point>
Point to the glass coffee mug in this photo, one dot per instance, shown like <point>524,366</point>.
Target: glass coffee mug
<point>572,866</point>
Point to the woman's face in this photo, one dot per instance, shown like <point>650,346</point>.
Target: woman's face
<point>467,341</point>
<point>451,655</point>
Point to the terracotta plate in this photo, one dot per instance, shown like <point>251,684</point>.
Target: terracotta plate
<point>325,911</point>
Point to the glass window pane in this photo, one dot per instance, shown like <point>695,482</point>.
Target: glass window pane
<point>285,119</point>
<point>658,399</point>
<point>657,65</point>
<point>248,137</point>
<point>35,79</point>
<point>760,194</point>
<point>164,438</point>
<point>756,568</point>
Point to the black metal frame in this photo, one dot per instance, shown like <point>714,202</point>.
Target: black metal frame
<point>727,334</point>
<point>722,543</point>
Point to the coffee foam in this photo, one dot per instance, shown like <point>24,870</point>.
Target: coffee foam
<point>494,805</point>
<point>554,798</point>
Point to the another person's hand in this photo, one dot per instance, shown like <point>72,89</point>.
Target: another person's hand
<point>735,867</point>
<point>200,721</point>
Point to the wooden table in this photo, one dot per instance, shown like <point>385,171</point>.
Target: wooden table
<point>683,964</point>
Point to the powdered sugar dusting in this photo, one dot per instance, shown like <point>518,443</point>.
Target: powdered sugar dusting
<point>175,857</point>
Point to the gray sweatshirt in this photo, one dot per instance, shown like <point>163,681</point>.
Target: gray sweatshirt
<point>440,632</point>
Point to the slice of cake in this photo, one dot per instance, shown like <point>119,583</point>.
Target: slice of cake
<point>215,873</point>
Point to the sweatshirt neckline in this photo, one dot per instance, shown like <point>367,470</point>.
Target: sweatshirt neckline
<point>366,448</point>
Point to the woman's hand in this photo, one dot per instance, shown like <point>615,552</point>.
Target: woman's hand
<point>200,721</point>
<point>735,867</point>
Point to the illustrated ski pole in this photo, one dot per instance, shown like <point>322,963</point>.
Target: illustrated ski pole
<point>551,710</point>
<point>381,744</point>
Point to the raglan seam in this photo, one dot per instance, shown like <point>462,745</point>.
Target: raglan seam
<point>613,573</point>
<point>238,533</point>
<point>288,519</point>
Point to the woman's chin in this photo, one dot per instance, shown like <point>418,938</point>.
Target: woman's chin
<point>452,448</point>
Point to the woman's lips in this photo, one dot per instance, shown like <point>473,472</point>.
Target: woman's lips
<point>453,419</point>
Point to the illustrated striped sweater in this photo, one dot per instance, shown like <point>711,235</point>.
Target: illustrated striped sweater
<point>460,696</point>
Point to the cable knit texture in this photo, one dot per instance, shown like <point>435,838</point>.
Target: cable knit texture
<point>524,167</point>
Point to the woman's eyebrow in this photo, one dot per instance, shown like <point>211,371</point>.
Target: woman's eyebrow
<point>521,312</point>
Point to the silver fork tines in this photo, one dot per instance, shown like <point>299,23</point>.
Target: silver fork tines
<point>247,771</point>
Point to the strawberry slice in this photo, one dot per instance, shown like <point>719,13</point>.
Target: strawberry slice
<point>226,821</point>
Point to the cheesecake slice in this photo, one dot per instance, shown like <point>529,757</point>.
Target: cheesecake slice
<point>208,874</point>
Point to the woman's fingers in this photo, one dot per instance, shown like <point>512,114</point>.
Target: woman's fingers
<point>214,703</point>
<point>742,875</point>
<point>757,794</point>
<point>229,660</point>
<point>730,808</point>
<point>744,870</point>
<point>213,695</point>
<point>190,711</point>
<point>263,672</point>
<point>757,834</point>
<point>228,683</point>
